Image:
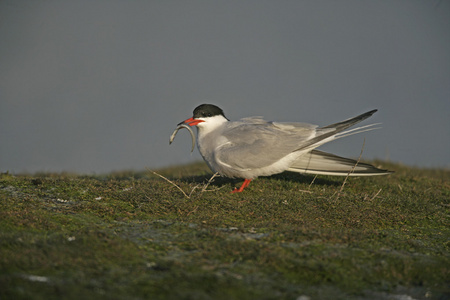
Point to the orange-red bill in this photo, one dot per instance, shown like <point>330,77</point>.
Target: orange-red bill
<point>191,122</point>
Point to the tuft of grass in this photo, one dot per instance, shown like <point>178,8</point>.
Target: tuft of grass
<point>135,235</point>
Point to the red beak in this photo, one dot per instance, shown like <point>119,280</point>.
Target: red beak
<point>191,122</point>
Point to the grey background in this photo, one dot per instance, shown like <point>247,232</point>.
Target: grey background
<point>98,86</point>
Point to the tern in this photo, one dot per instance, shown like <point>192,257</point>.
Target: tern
<point>253,147</point>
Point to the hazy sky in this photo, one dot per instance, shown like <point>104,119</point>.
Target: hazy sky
<point>96,86</point>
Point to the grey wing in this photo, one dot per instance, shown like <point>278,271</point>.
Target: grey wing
<point>257,145</point>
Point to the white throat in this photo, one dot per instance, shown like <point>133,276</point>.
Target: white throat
<point>210,124</point>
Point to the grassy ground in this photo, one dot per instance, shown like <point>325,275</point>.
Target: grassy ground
<point>136,236</point>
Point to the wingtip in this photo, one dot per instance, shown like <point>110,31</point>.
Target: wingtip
<point>367,114</point>
<point>371,112</point>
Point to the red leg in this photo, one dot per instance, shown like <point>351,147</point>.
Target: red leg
<point>243,186</point>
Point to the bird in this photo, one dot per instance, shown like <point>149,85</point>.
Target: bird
<point>252,147</point>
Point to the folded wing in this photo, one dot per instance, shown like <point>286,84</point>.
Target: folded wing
<point>257,145</point>
<point>322,163</point>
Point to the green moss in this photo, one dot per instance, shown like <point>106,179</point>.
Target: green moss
<point>134,235</point>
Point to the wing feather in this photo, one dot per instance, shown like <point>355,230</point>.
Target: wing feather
<point>253,145</point>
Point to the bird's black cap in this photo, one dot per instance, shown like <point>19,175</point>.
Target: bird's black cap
<point>207,110</point>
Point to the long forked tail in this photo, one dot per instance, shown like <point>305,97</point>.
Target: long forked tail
<point>322,163</point>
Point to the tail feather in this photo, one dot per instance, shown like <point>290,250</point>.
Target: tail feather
<point>357,130</point>
<point>322,163</point>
